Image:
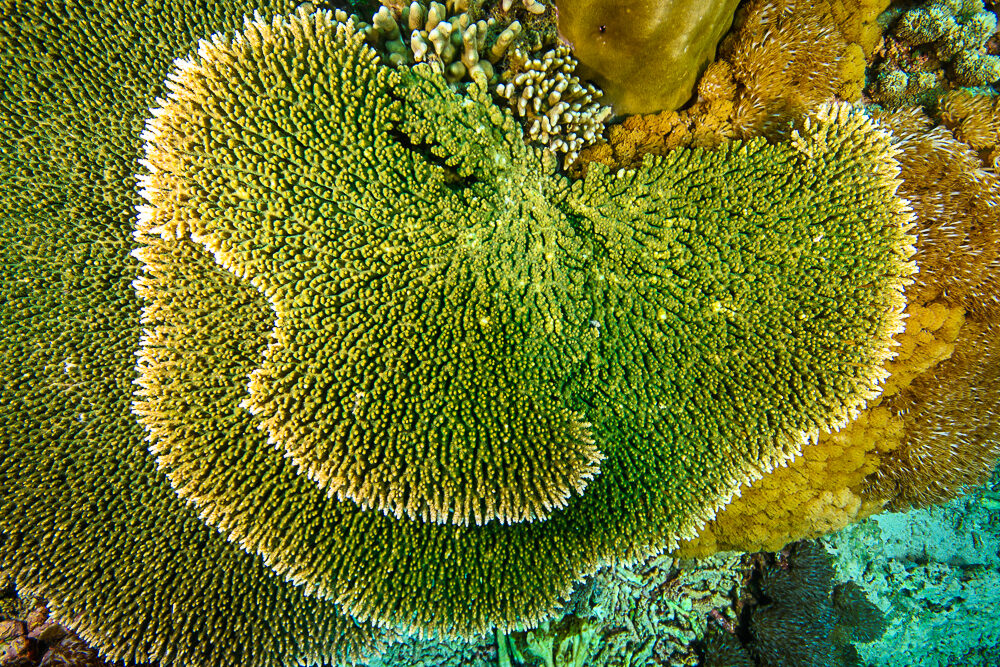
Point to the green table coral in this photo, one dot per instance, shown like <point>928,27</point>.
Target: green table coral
<point>419,376</point>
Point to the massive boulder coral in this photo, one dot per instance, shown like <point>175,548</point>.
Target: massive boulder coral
<point>326,237</point>
<point>781,59</point>
<point>645,54</point>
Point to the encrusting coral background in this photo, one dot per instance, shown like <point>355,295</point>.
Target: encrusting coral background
<point>390,351</point>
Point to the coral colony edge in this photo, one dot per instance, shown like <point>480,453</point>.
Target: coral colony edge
<point>497,332</point>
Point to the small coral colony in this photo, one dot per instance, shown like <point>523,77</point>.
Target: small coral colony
<point>324,325</point>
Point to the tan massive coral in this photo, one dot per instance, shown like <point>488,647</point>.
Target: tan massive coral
<point>781,58</point>
<point>645,54</point>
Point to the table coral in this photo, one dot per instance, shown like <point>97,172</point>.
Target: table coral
<point>86,517</point>
<point>637,301</point>
<point>482,339</point>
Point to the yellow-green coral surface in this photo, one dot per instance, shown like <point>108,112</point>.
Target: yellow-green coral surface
<point>316,227</point>
<point>85,518</point>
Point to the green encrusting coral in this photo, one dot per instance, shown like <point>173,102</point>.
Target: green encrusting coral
<point>335,233</point>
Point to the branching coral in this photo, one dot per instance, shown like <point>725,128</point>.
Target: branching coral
<point>336,257</point>
<point>558,110</point>
<point>443,35</point>
<point>935,46</point>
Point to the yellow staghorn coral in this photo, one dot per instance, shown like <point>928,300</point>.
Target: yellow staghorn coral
<point>933,430</point>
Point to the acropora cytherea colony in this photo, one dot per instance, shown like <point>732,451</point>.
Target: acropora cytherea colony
<point>315,325</point>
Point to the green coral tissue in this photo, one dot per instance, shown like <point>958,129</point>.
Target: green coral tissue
<point>295,345</point>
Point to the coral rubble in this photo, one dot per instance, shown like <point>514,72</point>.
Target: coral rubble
<point>935,575</point>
